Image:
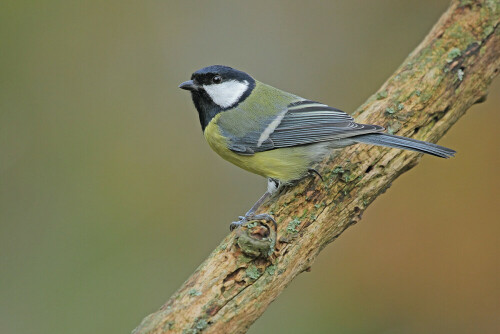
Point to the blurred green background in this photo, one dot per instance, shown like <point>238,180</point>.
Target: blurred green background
<point>110,197</point>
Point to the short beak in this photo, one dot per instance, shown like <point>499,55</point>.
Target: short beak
<point>188,85</point>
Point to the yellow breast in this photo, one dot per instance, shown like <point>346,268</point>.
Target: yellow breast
<point>284,164</point>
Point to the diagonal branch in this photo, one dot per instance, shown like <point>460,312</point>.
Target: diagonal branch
<point>445,75</point>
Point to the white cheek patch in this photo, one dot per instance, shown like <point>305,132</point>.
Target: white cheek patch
<point>227,93</point>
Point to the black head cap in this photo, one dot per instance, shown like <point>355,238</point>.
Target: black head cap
<point>205,75</point>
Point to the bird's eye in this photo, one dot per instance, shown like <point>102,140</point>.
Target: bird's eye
<point>217,79</point>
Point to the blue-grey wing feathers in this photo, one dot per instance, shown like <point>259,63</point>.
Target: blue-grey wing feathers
<point>302,123</point>
<point>308,122</point>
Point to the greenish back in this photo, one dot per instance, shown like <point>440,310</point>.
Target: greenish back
<point>256,112</point>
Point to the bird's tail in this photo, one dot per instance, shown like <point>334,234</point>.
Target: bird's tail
<point>383,139</point>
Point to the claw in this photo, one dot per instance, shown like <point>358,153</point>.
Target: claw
<point>267,217</point>
<point>235,225</point>
<point>314,171</point>
<point>239,223</point>
<point>245,219</point>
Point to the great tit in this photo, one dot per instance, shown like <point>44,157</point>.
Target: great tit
<point>277,134</point>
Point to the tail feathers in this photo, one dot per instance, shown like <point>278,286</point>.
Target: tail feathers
<point>383,139</point>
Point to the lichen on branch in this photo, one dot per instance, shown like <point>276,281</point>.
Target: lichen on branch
<point>446,74</point>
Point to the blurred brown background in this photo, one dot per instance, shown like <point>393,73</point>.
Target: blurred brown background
<point>110,197</point>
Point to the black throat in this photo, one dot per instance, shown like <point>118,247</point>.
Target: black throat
<point>206,108</point>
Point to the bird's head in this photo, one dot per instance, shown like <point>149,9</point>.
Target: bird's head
<point>217,88</point>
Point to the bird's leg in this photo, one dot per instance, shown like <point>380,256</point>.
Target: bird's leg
<point>250,215</point>
<point>257,204</point>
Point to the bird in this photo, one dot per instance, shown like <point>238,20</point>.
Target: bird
<point>276,134</point>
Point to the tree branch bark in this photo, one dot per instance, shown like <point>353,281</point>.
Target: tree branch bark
<point>446,74</point>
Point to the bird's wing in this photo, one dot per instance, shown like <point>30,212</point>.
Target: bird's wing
<point>303,122</point>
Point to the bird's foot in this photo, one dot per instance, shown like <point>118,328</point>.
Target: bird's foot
<point>313,172</point>
<point>252,217</point>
